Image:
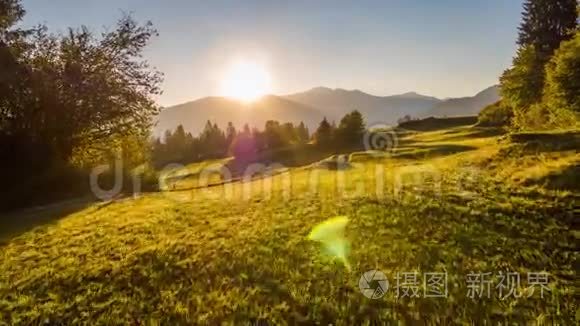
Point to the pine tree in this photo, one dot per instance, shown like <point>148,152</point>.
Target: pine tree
<point>288,133</point>
<point>273,134</point>
<point>323,134</point>
<point>303,134</point>
<point>546,23</point>
<point>230,134</point>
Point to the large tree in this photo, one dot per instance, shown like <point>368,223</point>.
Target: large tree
<point>13,75</point>
<point>546,23</point>
<point>324,134</point>
<point>351,129</point>
<point>562,91</point>
<point>80,92</point>
<point>10,13</point>
<point>303,134</point>
<point>522,84</point>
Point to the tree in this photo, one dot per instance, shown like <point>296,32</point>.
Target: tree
<point>324,133</point>
<point>302,133</point>
<point>288,133</point>
<point>230,134</point>
<point>562,91</point>
<point>13,75</point>
<point>563,76</point>
<point>522,84</point>
<point>213,141</point>
<point>79,91</point>
<point>244,147</point>
<point>273,135</point>
<point>405,118</point>
<point>351,129</point>
<point>546,23</point>
<point>10,13</point>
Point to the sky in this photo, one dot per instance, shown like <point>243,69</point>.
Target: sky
<point>444,48</point>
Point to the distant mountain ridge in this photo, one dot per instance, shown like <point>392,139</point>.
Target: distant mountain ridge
<point>313,105</point>
<point>221,110</point>
<point>335,103</point>
<point>465,105</point>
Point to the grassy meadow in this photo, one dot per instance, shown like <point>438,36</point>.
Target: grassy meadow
<point>458,200</point>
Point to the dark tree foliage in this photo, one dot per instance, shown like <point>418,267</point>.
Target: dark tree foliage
<point>179,146</point>
<point>562,91</point>
<point>495,115</point>
<point>522,85</point>
<point>272,134</point>
<point>77,92</point>
<point>182,147</point>
<point>324,134</point>
<point>302,133</point>
<point>71,101</point>
<point>10,13</point>
<point>230,133</point>
<point>546,23</point>
<point>351,129</point>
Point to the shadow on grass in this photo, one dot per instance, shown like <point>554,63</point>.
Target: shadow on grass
<point>432,124</point>
<point>565,179</point>
<point>431,151</point>
<point>547,142</point>
<point>15,223</point>
<point>478,132</point>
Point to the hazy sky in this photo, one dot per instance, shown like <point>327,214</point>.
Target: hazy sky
<point>444,48</point>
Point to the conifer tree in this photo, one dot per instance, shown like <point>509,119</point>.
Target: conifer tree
<point>546,23</point>
<point>323,134</point>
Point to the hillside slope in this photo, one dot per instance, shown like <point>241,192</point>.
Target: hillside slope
<point>334,103</point>
<point>194,115</point>
<point>447,201</point>
<point>311,106</point>
<point>465,106</point>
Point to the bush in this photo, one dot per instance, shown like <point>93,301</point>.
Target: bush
<point>496,115</point>
<point>542,116</point>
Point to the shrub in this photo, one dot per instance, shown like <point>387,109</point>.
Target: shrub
<point>496,115</point>
<point>542,116</point>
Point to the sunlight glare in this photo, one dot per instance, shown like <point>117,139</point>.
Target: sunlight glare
<point>246,81</point>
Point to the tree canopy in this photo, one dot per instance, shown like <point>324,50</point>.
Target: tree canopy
<point>537,87</point>
<point>73,99</point>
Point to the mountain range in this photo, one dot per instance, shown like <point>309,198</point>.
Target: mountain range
<point>313,105</point>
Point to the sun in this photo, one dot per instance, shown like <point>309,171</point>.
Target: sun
<point>246,81</point>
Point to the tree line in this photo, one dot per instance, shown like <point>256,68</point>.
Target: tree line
<point>179,146</point>
<point>541,90</point>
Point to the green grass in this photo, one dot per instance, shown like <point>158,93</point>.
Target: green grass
<point>222,255</point>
